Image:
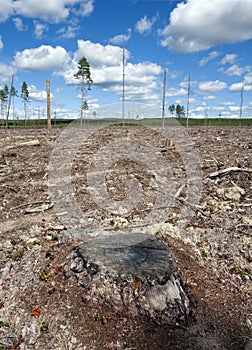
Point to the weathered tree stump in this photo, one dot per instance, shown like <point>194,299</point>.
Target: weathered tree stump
<point>132,274</point>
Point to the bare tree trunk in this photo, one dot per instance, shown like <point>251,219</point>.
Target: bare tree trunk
<point>82,99</point>
<point>25,111</point>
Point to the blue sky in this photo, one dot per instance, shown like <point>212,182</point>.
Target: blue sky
<point>210,40</point>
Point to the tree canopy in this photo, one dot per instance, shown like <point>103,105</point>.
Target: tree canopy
<point>180,110</point>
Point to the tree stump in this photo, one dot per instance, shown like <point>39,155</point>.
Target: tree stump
<point>132,274</point>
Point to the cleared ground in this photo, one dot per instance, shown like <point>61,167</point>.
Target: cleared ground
<point>41,303</point>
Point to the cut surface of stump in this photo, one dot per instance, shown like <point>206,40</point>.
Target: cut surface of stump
<point>132,274</point>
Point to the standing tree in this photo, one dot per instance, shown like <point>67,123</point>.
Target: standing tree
<point>172,109</point>
<point>25,98</point>
<point>180,111</point>
<point>14,93</point>
<point>84,74</point>
<point>4,99</point>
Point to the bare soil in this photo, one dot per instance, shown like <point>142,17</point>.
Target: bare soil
<point>41,304</point>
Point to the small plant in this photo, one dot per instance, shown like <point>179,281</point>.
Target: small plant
<point>54,237</point>
<point>103,319</point>
<point>19,254</point>
<point>243,276</point>
<point>44,327</point>
<point>4,324</point>
<point>204,254</point>
<point>45,274</point>
<point>50,255</point>
<point>234,269</point>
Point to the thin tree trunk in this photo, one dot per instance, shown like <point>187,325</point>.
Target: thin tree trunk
<point>25,111</point>
<point>82,99</point>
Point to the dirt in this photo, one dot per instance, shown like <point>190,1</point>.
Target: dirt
<point>41,304</point>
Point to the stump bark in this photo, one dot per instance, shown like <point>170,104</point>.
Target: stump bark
<point>132,274</point>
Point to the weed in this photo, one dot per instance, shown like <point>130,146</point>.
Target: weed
<point>45,274</point>
<point>243,276</point>
<point>44,327</point>
<point>204,254</point>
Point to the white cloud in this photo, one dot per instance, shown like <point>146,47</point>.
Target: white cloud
<point>99,55</point>
<point>228,59</point>
<point>6,72</point>
<point>210,57</point>
<point>209,97</point>
<point>53,11</point>
<point>1,43</point>
<point>38,95</point>
<point>19,24</point>
<point>68,32</point>
<point>234,108</point>
<point>212,86</point>
<point>48,10</point>
<point>176,92</point>
<point>235,70</point>
<point>237,87</point>
<point>121,38</point>
<point>6,10</point>
<point>195,27</point>
<point>87,7</point>
<point>42,58</point>
<point>39,30</point>
<point>141,79</point>
<point>144,25</point>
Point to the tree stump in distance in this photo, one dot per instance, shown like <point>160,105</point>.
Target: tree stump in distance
<point>132,274</point>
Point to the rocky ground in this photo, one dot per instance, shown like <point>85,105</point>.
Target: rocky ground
<point>207,230</point>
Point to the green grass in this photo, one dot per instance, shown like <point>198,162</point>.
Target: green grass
<point>42,123</point>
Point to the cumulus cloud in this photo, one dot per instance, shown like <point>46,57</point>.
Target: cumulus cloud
<point>193,28</point>
<point>6,10</point>
<point>212,86</point>
<point>99,55</point>
<point>144,25</point>
<point>6,72</point>
<point>48,10</point>
<point>37,95</point>
<point>42,58</point>
<point>141,79</point>
<point>246,85</point>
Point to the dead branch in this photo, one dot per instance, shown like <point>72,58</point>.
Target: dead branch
<point>229,170</point>
<point>25,144</point>
<point>30,204</point>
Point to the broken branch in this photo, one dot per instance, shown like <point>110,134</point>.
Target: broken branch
<point>229,170</point>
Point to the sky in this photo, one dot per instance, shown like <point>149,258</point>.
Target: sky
<point>204,46</point>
